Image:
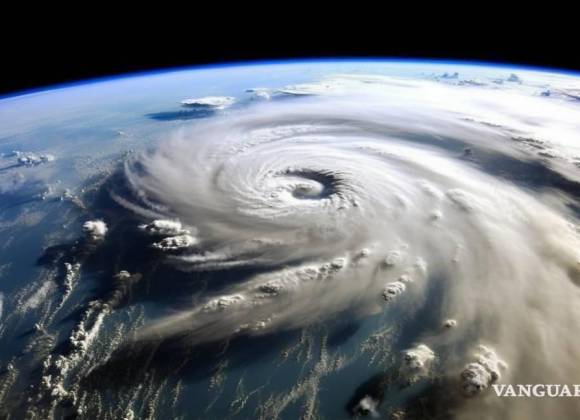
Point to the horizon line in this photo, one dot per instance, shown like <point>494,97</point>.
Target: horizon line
<point>282,61</point>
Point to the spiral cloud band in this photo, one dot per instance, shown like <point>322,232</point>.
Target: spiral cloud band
<point>361,193</point>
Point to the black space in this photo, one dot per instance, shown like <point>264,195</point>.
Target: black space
<point>66,52</point>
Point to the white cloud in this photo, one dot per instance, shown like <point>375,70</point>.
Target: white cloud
<point>450,323</point>
<point>367,405</point>
<point>31,159</point>
<point>163,227</point>
<point>260,93</point>
<point>477,376</point>
<point>215,102</point>
<point>95,229</point>
<point>416,363</point>
<point>173,243</point>
<point>392,290</point>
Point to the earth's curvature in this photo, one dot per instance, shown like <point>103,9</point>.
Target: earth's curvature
<point>323,239</point>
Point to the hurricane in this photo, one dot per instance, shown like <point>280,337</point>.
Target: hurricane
<point>365,196</point>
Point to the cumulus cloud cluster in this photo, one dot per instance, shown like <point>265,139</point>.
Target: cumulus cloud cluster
<point>164,227</point>
<point>417,363</point>
<point>95,229</point>
<point>33,160</point>
<point>484,371</point>
<point>213,102</point>
<point>176,237</point>
<point>360,190</point>
<point>173,243</point>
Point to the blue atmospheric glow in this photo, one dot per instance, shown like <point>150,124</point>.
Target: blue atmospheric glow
<point>290,61</point>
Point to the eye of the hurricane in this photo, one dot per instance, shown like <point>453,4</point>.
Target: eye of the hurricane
<point>311,185</point>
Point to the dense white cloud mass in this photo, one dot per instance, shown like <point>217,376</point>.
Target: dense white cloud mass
<point>173,243</point>
<point>485,371</point>
<point>393,289</point>
<point>367,405</point>
<point>33,160</point>
<point>164,227</point>
<point>417,362</point>
<point>450,323</point>
<point>215,102</point>
<point>95,229</point>
<point>361,183</point>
